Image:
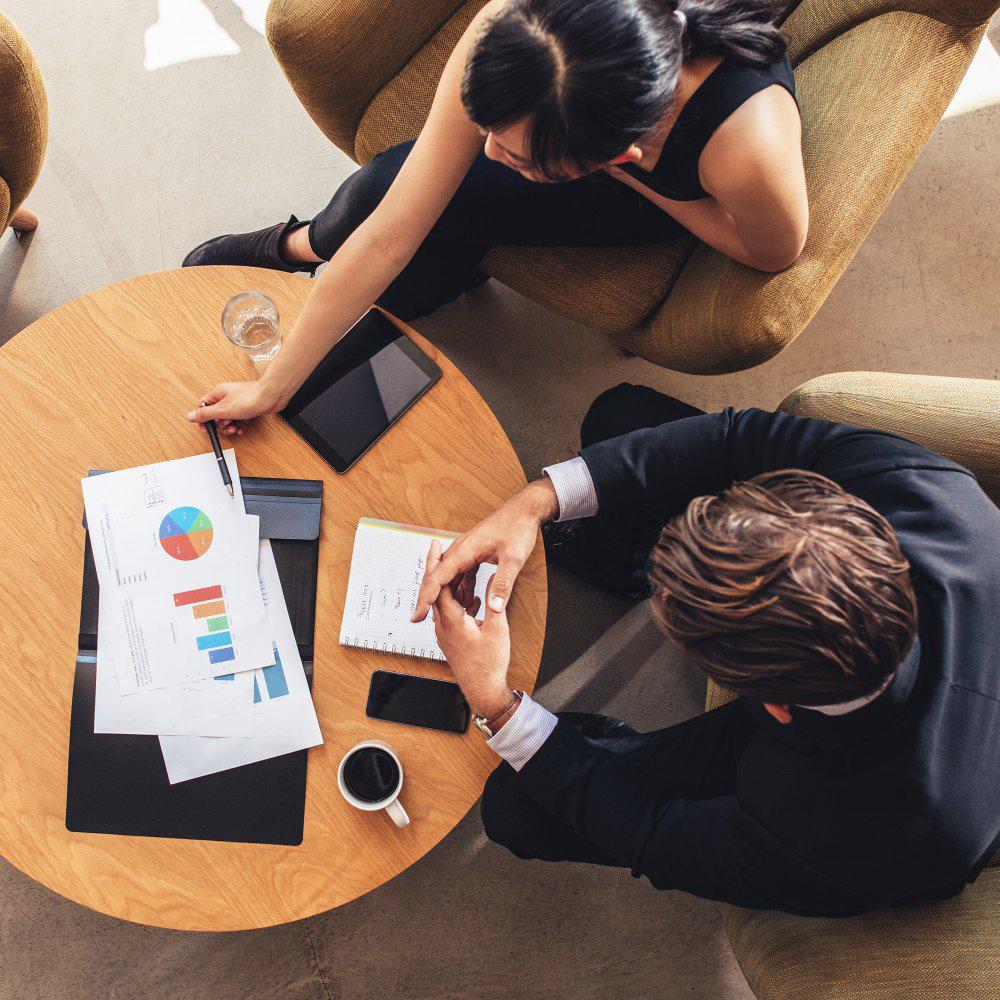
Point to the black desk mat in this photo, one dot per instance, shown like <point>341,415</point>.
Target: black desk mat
<point>118,784</point>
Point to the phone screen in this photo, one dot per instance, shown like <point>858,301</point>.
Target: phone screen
<point>417,701</point>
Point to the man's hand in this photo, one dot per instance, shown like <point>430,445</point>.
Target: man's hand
<point>477,652</point>
<point>506,538</point>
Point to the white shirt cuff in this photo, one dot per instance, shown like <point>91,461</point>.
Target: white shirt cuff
<point>574,488</point>
<point>523,734</point>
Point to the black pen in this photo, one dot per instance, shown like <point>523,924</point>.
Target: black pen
<point>213,435</point>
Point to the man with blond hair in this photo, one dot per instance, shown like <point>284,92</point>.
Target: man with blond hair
<point>845,583</point>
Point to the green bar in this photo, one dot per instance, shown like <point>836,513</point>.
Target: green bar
<point>218,624</point>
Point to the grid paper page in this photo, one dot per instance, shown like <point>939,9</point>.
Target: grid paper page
<point>386,569</point>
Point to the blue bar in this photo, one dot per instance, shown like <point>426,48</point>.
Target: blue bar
<point>274,678</point>
<point>221,655</point>
<point>256,693</point>
<point>225,677</point>
<point>215,639</point>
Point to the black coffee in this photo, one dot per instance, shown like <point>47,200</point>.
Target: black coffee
<point>371,774</point>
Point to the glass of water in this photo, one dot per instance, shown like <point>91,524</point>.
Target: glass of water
<point>250,321</point>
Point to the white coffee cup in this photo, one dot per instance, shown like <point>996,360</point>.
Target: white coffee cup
<point>390,803</point>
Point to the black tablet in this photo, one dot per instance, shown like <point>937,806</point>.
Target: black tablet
<point>359,390</point>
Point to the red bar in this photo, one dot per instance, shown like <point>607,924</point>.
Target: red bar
<point>197,596</point>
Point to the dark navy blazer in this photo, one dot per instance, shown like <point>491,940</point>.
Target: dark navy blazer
<point>896,801</point>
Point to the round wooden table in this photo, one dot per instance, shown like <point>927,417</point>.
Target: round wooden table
<point>105,382</point>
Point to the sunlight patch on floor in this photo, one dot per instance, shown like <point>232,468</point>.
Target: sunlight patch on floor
<point>254,12</point>
<point>186,30</point>
<point>981,86</point>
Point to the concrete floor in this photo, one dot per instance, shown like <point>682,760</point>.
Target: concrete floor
<point>143,164</point>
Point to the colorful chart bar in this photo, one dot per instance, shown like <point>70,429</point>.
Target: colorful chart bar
<point>197,596</point>
<point>210,610</point>
<point>214,640</point>
<point>225,677</point>
<point>221,655</point>
<point>274,678</point>
<point>218,624</point>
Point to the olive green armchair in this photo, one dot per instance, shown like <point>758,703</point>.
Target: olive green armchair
<point>948,949</point>
<point>24,127</point>
<point>873,79</point>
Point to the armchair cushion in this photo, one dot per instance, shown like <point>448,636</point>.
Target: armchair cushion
<point>399,109</point>
<point>946,949</point>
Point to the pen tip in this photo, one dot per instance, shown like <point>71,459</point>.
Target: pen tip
<point>230,488</point>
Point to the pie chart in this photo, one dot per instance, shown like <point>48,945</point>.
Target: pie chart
<point>186,533</point>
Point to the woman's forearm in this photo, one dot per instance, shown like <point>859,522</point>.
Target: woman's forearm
<point>770,247</point>
<point>707,219</point>
<point>357,274</point>
<point>713,225</point>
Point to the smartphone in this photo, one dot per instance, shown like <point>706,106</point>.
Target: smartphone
<point>417,701</point>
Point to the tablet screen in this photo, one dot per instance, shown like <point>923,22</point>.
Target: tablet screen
<point>359,390</point>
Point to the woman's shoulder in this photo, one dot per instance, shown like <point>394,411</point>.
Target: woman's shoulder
<point>761,138</point>
<point>734,83</point>
<point>763,107</point>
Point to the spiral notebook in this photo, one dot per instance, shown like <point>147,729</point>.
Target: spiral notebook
<point>387,566</point>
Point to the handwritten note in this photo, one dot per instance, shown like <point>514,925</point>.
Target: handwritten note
<point>387,567</point>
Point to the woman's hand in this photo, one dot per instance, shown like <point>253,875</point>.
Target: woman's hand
<point>506,538</point>
<point>232,404</point>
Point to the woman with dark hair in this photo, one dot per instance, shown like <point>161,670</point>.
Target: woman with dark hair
<point>555,123</point>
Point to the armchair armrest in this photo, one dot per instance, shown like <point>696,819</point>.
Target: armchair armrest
<point>869,100</point>
<point>949,949</point>
<point>956,417</point>
<point>338,54</point>
<point>25,128</point>
<point>716,696</point>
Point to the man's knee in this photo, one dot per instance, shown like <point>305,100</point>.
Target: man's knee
<point>627,408</point>
<point>505,811</point>
<point>604,418</point>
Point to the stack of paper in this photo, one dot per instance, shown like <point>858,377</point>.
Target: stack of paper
<point>194,640</point>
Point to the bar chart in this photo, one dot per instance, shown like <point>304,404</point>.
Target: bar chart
<point>213,635</point>
<point>275,682</point>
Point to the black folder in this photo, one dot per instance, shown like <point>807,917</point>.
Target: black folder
<point>118,784</point>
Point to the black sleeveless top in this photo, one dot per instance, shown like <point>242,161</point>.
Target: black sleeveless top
<point>729,85</point>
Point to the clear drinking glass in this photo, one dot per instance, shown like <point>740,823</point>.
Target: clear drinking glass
<point>250,321</point>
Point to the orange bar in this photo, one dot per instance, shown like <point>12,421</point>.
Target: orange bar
<point>207,610</point>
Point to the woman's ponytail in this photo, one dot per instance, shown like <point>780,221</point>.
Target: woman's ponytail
<point>746,30</point>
